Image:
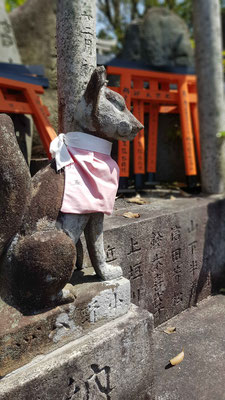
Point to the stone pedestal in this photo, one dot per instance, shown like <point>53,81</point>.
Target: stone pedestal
<point>23,337</point>
<point>112,362</point>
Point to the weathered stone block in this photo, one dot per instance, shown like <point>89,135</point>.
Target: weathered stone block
<point>112,362</point>
<point>22,337</point>
<point>174,254</point>
<point>104,300</point>
<point>160,38</point>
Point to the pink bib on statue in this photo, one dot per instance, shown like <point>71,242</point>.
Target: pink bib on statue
<point>91,177</point>
<point>91,183</point>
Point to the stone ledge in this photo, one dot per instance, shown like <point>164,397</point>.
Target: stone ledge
<point>113,362</point>
<point>23,337</point>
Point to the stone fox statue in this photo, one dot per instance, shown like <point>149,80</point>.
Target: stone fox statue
<point>40,219</point>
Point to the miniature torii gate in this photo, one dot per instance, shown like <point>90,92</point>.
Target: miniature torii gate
<point>157,92</point>
<point>19,94</point>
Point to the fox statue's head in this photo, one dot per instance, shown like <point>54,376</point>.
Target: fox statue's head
<point>103,112</point>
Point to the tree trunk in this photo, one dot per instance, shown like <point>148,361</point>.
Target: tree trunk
<point>76,55</point>
<point>207,31</point>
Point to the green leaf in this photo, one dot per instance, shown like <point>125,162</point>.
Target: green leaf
<point>10,4</point>
<point>221,134</point>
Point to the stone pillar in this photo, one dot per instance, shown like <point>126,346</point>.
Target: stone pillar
<point>207,31</point>
<point>76,55</point>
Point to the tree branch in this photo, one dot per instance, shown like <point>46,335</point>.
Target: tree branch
<point>134,9</point>
<point>108,12</point>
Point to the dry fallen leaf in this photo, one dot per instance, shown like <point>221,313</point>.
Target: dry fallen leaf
<point>177,360</point>
<point>165,194</point>
<point>170,329</point>
<point>184,194</point>
<point>136,200</point>
<point>129,214</point>
<point>178,184</point>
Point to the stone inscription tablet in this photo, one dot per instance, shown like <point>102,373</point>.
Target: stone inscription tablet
<point>164,259</point>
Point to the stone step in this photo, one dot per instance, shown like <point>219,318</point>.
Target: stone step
<point>113,361</point>
<point>200,332</point>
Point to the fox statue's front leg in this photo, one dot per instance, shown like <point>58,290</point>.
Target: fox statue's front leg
<point>92,225</point>
<point>94,238</point>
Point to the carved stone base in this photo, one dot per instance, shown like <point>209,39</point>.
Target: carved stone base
<point>22,337</point>
<point>112,362</point>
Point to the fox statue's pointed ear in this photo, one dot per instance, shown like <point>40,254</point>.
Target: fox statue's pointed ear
<point>97,80</point>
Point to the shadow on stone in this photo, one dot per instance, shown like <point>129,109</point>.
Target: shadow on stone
<point>212,271</point>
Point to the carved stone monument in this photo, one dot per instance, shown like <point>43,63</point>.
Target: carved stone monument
<point>37,260</point>
<point>45,302</point>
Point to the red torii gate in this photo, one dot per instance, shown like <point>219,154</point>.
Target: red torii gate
<point>19,94</point>
<point>157,92</point>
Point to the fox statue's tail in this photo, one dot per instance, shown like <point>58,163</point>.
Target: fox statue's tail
<point>15,183</point>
